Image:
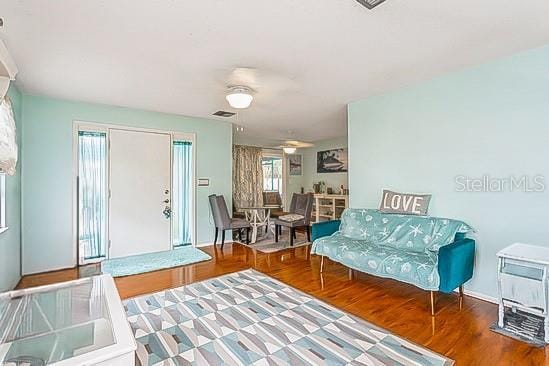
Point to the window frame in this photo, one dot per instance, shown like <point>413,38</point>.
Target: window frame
<point>270,161</point>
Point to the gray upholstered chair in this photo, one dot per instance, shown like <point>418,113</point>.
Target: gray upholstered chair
<point>272,200</point>
<point>224,222</point>
<point>302,204</point>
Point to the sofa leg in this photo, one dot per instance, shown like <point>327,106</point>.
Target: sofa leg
<point>321,264</point>
<point>350,274</point>
<point>432,303</point>
<point>461,297</point>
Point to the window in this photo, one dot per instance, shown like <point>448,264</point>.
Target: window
<point>182,196</point>
<point>8,153</point>
<point>272,174</point>
<point>92,195</point>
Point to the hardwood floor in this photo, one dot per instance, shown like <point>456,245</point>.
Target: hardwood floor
<point>461,334</point>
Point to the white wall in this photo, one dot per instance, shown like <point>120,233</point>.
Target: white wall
<point>489,120</point>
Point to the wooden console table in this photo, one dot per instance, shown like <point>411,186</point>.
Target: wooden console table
<point>329,206</point>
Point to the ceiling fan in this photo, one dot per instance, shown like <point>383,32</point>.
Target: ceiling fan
<point>290,146</point>
<point>242,84</point>
<point>370,4</point>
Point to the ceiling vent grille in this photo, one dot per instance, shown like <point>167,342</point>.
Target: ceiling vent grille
<point>370,4</point>
<point>224,114</point>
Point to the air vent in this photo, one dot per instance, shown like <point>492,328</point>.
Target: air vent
<point>370,4</point>
<point>224,114</point>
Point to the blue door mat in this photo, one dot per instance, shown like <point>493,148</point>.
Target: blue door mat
<point>150,262</point>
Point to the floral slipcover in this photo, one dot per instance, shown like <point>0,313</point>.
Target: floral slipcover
<point>402,247</point>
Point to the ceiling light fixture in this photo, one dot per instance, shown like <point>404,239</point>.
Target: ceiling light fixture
<point>289,149</point>
<point>240,97</point>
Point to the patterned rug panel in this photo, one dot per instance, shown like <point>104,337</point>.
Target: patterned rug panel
<point>248,318</point>
<point>266,244</point>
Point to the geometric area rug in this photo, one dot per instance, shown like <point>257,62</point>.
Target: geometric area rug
<point>248,318</point>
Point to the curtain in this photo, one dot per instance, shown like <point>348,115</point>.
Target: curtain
<point>182,193</point>
<point>247,177</point>
<point>92,194</point>
<point>8,141</point>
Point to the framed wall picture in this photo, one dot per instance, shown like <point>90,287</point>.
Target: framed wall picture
<point>295,163</point>
<point>332,161</point>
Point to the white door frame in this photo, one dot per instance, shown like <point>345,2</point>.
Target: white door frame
<point>106,127</point>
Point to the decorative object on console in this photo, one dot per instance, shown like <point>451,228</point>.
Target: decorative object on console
<point>404,203</point>
<point>332,161</point>
<point>523,272</point>
<point>295,162</point>
<point>428,252</point>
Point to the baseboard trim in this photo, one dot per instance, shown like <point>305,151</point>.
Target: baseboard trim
<point>478,295</point>
<point>48,271</point>
<point>209,243</point>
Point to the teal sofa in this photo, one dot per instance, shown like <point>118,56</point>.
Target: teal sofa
<point>431,253</point>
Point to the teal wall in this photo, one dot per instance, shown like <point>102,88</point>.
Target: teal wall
<point>10,240</point>
<point>48,162</point>
<point>493,120</point>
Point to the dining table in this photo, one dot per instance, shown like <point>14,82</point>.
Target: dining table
<point>258,217</point>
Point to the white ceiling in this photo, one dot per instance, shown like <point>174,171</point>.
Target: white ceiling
<point>312,57</point>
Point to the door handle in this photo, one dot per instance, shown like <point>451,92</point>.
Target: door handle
<point>167,212</point>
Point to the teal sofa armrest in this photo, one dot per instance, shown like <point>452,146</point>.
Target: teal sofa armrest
<point>325,228</point>
<point>455,264</point>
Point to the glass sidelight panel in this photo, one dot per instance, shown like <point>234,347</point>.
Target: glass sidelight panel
<point>182,197</point>
<point>92,195</point>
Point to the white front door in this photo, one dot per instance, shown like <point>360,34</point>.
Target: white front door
<point>140,190</point>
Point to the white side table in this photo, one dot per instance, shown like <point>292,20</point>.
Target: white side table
<point>523,281</point>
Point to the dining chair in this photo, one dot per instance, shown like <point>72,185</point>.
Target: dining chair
<point>301,204</point>
<point>223,220</point>
<point>273,201</point>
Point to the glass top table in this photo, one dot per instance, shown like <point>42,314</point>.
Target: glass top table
<point>51,324</point>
